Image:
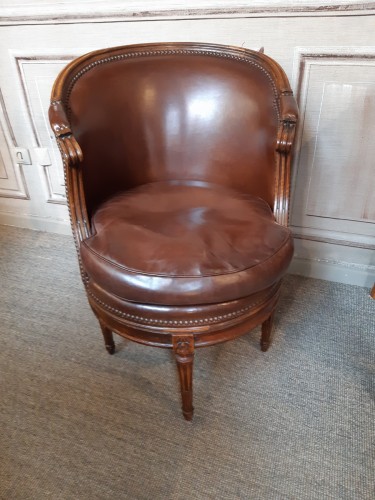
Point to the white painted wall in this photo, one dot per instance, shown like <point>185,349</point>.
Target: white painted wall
<point>326,48</point>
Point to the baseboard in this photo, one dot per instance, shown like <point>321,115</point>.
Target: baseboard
<point>36,223</point>
<point>341,272</point>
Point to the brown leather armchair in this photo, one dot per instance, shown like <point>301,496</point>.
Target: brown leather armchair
<point>177,164</point>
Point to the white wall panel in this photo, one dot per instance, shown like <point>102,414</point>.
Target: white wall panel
<point>12,181</point>
<point>333,193</point>
<point>37,75</point>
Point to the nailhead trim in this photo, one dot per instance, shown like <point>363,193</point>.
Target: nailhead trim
<point>130,55</point>
<point>83,273</point>
<point>174,323</point>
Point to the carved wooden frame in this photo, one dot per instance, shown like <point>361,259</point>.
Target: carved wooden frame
<point>160,326</point>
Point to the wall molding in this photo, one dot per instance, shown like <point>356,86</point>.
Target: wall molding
<point>334,238</point>
<point>13,172</point>
<point>304,59</point>
<point>22,61</point>
<point>329,270</point>
<point>36,223</point>
<point>63,12</point>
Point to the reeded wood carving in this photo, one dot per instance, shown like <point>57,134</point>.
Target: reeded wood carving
<point>284,143</point>
<point>72,156</point>
<point>286,137</point>
<point>183,346</point>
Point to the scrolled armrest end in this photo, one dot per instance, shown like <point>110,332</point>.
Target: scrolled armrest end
<point>69,147</point>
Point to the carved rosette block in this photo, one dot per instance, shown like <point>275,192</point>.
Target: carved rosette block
<point>183,347</point>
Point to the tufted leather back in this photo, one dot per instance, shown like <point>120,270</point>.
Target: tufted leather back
<point>143,116</point>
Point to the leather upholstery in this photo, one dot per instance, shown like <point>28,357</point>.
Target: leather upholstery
<point>179,243</point>
<point>177,167</point>
<point>175,117</point>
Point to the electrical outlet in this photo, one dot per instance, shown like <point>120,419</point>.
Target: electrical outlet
<point>21,156</point>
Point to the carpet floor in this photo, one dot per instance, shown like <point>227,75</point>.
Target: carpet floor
<point>297,422</point>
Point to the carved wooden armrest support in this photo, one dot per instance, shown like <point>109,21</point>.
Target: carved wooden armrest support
<point>284,143</point>
<point>69,147</point>
<point>289,117</point>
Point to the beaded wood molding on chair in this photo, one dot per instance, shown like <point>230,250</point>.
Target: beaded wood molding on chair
<point>114,112</point>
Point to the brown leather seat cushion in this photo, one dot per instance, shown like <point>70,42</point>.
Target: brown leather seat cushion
<point>178,243</point>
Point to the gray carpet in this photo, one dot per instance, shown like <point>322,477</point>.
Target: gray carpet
<point>296,422</point>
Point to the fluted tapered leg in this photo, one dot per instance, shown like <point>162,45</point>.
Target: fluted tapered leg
<point>183,347</point>
<point>265,340</point>
<point>108,338</point>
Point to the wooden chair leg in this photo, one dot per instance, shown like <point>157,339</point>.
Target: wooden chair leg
<point>183,347</point>
<point>265,340</point>
<point>108,338</point>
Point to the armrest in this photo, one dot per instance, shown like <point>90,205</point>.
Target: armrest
<point>288,121</point>
<point>288,108</point>
<point>67,143</point>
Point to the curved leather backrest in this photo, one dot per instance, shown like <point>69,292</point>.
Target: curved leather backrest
<point>144,116</point>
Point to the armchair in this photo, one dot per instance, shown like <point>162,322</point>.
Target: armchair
<point>177,167</point>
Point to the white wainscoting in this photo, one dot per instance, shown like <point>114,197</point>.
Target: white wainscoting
<point>326,48</point>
